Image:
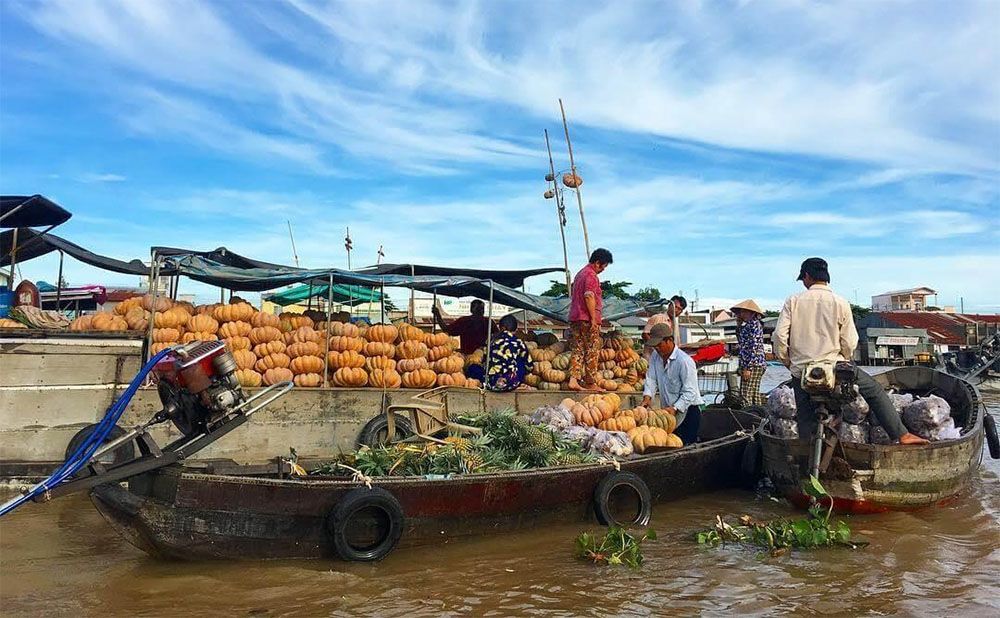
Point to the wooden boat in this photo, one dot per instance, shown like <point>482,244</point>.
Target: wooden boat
<point>867,478</point>
<point>197,512</point>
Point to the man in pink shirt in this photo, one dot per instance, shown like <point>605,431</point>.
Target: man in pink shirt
<point>585,321</point>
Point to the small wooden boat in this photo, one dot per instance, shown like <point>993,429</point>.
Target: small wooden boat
<point>868,478</point>
<point>204,512</point>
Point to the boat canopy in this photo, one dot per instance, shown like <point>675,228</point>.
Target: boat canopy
<point>509,278</point>
<point>342,294</point>
<point>31,211</point>
<point>32,244</point>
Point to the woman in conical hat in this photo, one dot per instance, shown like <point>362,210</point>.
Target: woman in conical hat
<point>750,337</point>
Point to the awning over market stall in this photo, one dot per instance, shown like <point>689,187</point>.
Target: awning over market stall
<point>510,278</point>
<point>31,211</point>
<point>32,244</point>
<point>341,294</point>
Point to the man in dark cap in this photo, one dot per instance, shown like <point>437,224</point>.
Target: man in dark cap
<point>672,374</point>
<point>815,326</point>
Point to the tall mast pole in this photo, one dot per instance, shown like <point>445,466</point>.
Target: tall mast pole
<point>295,253</point>
<point>572,167</point>
<point>349,244</point>
<point>560,209</point>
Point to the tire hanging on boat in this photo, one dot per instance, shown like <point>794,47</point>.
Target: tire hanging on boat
<point>370,434</point>
<point>618,480</point>
<point>346,516</point>
<point>122,454</point>
<point>990,426</point>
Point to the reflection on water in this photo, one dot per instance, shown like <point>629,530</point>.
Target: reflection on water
<point>62,559</point>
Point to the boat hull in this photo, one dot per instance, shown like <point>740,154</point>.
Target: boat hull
<point>865,478</point>
<point>176,513</point>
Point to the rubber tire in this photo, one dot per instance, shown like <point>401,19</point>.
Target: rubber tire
<point>990,426</point>
<point>751,463</point>
<point>602,494</point>
<point>369,434</point>
<point>124,453</point>
<point>340,518</point>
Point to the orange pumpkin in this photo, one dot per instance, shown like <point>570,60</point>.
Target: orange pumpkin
<point>161,303</point>
<point>271,347</point>
<point>411,364</point>
<point>379,362</point>
<point>450,364</point>
<point>308,380</point>
<point>190,336</point>
<point>306,333</point>
<point>348,358</point>
<point>261,318</point>
<point>128,304</point>
<point>408,332</point>
<point>248,377</point>
<point>470,383</point>
<point>304,348</point>
<point>385,333</point>
<point>262,334</point>
<point>350,377</point>
<point>378,348</point>
<point>245,359</point>
<point>437,339</point>
<point>237,343</point>
<point>171,318</point>
<point>411,349</point>
<point>292,321</point>
<point>421,378</point>
<point>306,364</point>
<point>137,318</point>
<point>587,415</point>
<point>81,323</point>
<point>203,323</point>
<point>156,348</point>
<point>238,312</point>
<point>553,375</point>
<point>451,379</point>
<point>340,343</point>
<point>439,352</point>
<point>166,335</point>
<point>278,374</point>
<point>273,361</point>
<point>384,378</point>
<point>206,309</point>
<point>107,321</point>
<point>236,329</point>
<point>618,423</point>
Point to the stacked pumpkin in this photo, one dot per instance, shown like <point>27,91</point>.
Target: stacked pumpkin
<point>648,428</point>
<point>620,367</point>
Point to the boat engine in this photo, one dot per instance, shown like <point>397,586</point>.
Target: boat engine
<point>831,385</point>
<point>197,385</point>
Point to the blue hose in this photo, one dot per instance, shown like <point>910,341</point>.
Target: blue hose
<point>82,455</point>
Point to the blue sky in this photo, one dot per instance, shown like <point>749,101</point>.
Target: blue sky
<point>720,142</point>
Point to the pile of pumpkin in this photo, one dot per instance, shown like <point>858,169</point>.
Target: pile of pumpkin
<point>620,367</point>
<point>645,428</point>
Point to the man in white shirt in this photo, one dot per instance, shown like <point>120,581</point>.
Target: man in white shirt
<point>673,374</point>
<point>817,325</point>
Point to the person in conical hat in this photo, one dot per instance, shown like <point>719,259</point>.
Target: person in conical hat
<point>750,337</point>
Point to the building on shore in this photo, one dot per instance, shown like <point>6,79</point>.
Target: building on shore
<point>912,299</point>
<point>946,332</point>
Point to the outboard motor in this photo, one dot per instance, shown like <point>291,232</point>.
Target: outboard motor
<point>197,385</point>
<point>830,385</point>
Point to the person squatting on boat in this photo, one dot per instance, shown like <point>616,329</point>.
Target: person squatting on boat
<point>672,374</point>
<point>509,360</point>
<point>815,326</point>
<point>750,338</point>
<point>586,303</point>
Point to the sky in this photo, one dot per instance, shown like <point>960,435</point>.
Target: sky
<point>720,143</point>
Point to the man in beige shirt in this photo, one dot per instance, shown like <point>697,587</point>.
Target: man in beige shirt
<point>674,308</point>
<point>815,326</point>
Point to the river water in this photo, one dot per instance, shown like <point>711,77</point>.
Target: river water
<point>62,559</point>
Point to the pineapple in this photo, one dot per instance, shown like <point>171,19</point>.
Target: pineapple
<point>472,461</point>
<point>521,421</point>
<point>540,438</point>
<point>462,445</point>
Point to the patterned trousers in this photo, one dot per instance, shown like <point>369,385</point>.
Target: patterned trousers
<point>586,342</point>
<point>750,393</point>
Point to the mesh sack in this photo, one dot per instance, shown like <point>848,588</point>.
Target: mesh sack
<point>853,432</point>
<point>781,402</point>
<point>926,414</point>
<point>784,428</point>
<point>856,411</point>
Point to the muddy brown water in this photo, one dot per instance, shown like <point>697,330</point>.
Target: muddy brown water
<point>61,558</point>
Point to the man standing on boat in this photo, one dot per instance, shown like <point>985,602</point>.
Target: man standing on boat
<point>815,326</point>
<point>585,321</point>
<point>672,374</point>
<point>674,308</point>
<point>471,330</point>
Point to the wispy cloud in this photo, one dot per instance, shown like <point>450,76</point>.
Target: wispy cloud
<point>95,177</point>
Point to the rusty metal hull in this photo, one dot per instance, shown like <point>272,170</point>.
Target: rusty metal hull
<point>176,513</point>
<point>883,478</point>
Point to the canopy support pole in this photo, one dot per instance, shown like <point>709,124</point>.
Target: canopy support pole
<point>326,333</point>
<point>489,337</point>
<point>382,304</point>
<point>13,256</point>
<point>222,295</point>
<point>154,278</point>
<point>434,302</point>
<point>413,307</point>
<point>524,290</point>
<point>59,282</point>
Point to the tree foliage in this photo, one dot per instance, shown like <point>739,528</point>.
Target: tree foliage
<point>610,289</point>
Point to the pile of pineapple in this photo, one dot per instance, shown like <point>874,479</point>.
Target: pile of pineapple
<point>508,442</point>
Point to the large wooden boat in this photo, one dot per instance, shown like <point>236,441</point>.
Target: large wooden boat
<point>208,511</point>
<point>867,478</point>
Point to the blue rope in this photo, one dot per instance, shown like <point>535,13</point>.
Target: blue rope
<point>85,451</point>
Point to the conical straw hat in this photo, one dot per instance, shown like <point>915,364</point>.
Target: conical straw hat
<point>749,305</point>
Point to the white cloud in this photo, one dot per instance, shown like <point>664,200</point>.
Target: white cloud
<point>96,178</point>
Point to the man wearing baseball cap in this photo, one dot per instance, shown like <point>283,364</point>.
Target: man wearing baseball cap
<point>673,374</point>
<point>817,325</point>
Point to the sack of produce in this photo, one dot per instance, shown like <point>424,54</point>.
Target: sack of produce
<point>926,414</point>
<point>579,434</point>
<point>781,402</point>
<point>856,433</point>
<point>856,411</point>
<point>784,428</point>
<point>556,417</point>
<point>900,401</point>
<point>613,443</point>
<point>878,435</point>
<point>947,431</point>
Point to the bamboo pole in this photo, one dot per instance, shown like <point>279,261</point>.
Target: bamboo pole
<point>572,167</point>
<point>560,210</point>
<point>326,334</point>
<point>59,281</point>
<point>489,337</point>
<point>154,278</point>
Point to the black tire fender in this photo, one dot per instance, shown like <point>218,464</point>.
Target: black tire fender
<point>613,481</point>
<point>369,435</point>
<point>122,454</point>
<point>750,465</point>
<point>342,517</point>
<point>990,427</point>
